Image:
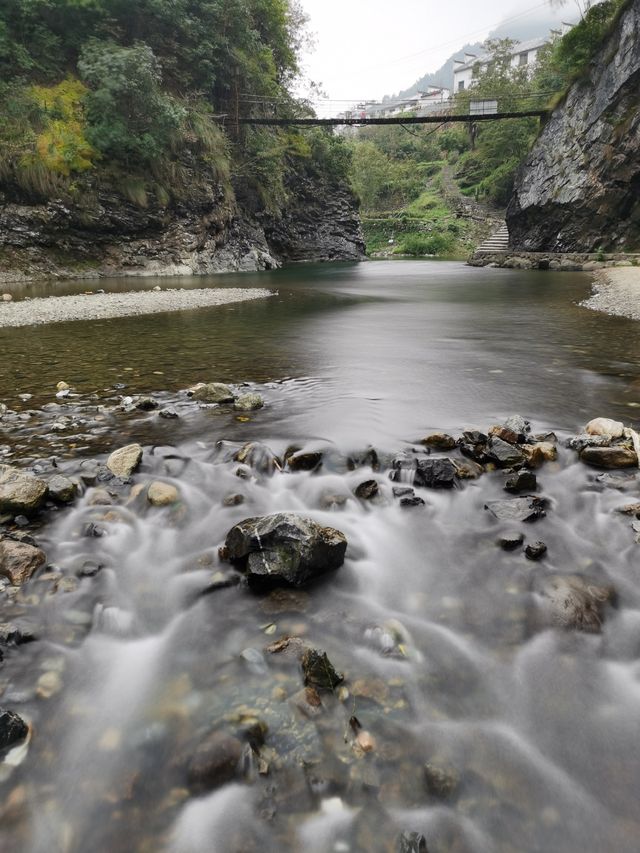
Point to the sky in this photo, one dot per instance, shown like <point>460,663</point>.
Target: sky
<point>365,49</point>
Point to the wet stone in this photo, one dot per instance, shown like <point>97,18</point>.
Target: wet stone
<point>523,481</point>
<point>303,461</point>
<point>214,763</point>
<point>435,474</point>
<point>403,491</point>
<point>62,489</point>
<point>145,404</point>
<point>518,425</point>
<point>168,414</point>
<point>630,509</point>
<point>411,842</point>
<point>580,442</point>
<point>284,549</point>
<point>367,491</point>
<point>511,541</point>
<point>535,551</point>
<point>20,491</point>
<point>124,461</point>
<point>411,502</point>
<point>576,602</point>
<point>162,494</point>
<point>529,508</point>
<point>19,561</point>
<point>308,702</point>
<point>13,729</point>
<point>259,457</point>
<point>609,457</point>
<point>318,671</point>
<point>441,783</point>
<point>439,441</point>
<point>212,392</point>
<point>248,403</point>
<point>365,459</point>
<point>233,500</point>
<point>12,634</point>
<point>503,454</point>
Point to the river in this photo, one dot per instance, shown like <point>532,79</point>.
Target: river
<point>440,634</point>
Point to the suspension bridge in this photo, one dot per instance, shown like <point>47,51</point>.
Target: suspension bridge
<point>257,111</point>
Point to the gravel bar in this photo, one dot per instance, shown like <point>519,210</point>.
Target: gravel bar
<point>102,306</point>
<point>617,291</point>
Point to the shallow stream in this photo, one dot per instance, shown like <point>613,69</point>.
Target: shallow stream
<point>145,646</point>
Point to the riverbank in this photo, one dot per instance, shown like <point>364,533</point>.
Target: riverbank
<point>103,306</point>
<point>617,291</point>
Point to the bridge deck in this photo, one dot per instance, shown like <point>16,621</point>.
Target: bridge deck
<point>359,122</point>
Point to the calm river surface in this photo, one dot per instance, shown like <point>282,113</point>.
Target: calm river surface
<point>488,730</point>
<point>377,350</point>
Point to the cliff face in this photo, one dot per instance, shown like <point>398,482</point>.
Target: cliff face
<point>101,233</point>
<point>579,189</point>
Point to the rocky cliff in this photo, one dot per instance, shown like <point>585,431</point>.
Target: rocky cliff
<point>579,189</point>
<point>99,232</point>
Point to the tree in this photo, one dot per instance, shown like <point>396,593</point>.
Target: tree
<point>130,119</point>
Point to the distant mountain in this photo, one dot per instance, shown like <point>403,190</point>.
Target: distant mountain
<point>443,76</point>
<point>520,29</point>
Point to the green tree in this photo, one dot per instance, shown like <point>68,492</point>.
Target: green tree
<point>130,119</point>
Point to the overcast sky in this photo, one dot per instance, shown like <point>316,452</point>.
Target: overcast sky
<point>369,48</point>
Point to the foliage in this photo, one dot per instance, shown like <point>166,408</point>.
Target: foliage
<point>154,74</point>
<point>418,244</point>
<point>573,52</point>
<point>130,119</point>
<point>62,146</point>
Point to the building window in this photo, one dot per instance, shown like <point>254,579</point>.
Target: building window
<point>523,59</point>
<point>460,85</point>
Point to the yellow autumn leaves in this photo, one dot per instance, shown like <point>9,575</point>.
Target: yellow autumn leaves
<point>61,146</point>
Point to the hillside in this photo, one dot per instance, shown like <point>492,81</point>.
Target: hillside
<point>120,149</point>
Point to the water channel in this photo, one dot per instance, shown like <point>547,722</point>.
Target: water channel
<point>448,660</point>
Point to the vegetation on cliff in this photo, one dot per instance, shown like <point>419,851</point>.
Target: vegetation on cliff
<point>130,95</point>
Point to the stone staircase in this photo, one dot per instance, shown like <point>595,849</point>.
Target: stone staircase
<point>498,242</point>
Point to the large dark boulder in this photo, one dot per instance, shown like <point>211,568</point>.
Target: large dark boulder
<point>284,550</point>
<point>435,474</point>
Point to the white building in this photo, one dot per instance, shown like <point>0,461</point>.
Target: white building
<point>523,54</point>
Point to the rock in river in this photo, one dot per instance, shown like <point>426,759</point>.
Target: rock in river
<point>573,601</point>
<point>19,560</point>
<point>20,491</point>
<point>284,549</point>
<point>62,489</point>
<point>528,508</point>
<point>248,403</point>
<point>215,762</point>
<point>435,474</point>
<point>319,671</point>
<point>162,494</point>
<point>504,455</point>
<point>617,456</point>
<point>124,461</point>
<point>13,728</point>
<point>212,392</point>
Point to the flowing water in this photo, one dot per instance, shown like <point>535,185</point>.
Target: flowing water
<point>144,649</point>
